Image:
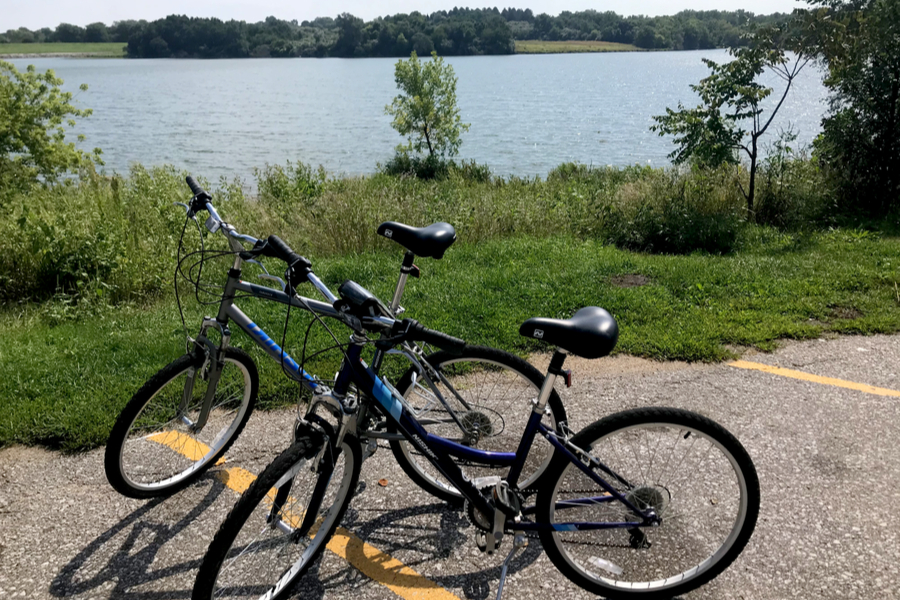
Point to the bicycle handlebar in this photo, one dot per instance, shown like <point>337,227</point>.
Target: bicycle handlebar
<point>300,270</point>
<point>443,341</point>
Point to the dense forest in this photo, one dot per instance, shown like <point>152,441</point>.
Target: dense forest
<point>460,31</point>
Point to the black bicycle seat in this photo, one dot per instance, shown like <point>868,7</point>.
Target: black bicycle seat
<point>591,333</point>
<point>429,242</point>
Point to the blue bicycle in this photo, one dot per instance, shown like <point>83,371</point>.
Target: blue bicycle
<point>183,420</point>
<point>646,503</point>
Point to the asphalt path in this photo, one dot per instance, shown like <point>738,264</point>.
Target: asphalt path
<point>826,456</point>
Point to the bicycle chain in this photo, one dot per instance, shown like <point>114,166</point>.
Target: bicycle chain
<point>535,535</point>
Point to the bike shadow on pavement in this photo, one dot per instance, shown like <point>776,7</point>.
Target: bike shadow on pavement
<point>429,539</point>
<point>154,552</point>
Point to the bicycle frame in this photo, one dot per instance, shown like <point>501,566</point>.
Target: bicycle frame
<point>388,401</point>
<point>440,450</point>
<point>228,311</point>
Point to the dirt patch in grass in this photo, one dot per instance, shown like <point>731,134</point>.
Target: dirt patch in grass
<point>630,280</point>
<point>846,313</point>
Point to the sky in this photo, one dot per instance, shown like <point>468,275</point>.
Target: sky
<point>35,14</point>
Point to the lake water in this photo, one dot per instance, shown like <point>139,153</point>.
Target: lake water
<point>528,113</point>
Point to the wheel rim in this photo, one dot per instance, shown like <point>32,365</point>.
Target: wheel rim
<point>705,498</point>
<point>262,558</point>
<point>160,450</point>
<point>499,395</point>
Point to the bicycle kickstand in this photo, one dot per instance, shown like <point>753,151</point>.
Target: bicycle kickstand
<point>519,542</point>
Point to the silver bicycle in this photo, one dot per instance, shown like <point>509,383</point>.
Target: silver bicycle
<point>183,420</point>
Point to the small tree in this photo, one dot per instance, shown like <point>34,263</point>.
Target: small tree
<point>425,111</point>
<point>34,113</point>
<point>730,110</point>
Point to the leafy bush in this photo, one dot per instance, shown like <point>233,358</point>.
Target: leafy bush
<point>435,167</point>
<point>677,212</point>
<point>295,183</point>
<point>97,237</point>
<point>35,114</point>
<point>420,167</point>
<point>472,171</point>
<point>793,191</point>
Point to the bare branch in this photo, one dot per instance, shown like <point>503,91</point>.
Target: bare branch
<point>784,96</point>
<point>743,192</point>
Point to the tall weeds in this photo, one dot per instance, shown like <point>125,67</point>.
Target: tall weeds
<point>114,239</point>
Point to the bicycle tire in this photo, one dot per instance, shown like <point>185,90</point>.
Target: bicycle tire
<point>693,502</point>
<point>503,386</point>
<point>152,452</point>
<point>258,567</point>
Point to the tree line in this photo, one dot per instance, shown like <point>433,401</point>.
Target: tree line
<point>457,32</point>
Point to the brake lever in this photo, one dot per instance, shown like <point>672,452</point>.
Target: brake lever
<point>187,209</point>
<point>273,278</point>
<point>253,261</point>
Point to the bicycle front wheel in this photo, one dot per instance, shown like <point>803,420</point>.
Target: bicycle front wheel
<point>153,449</point>
<point>491,392</point>
<point>692,472</point>
<point>262,551</point>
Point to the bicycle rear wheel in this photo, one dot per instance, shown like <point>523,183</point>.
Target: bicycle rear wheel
<point>260,554</point>
<point>153,449</point>
<point>497,388</point>
<point>692,472</point>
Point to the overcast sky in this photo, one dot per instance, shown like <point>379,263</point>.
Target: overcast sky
<point>35,14</point>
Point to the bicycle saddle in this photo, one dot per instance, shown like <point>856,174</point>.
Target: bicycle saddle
<point>591,333</point>
<point>429,242</point>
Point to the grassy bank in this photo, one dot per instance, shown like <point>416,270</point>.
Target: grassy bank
<point>87,313</point>
<point>67,382</point>
<point>98,50</point>
<point>542,47</point>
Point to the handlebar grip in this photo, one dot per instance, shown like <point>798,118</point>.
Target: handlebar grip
<point>436,338</point>
<point>299,267</point>
<point>282,251</point>
<point>199,192</point>
<point>196,189</point>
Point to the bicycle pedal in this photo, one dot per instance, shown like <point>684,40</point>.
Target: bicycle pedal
<point>481,541</point>
<point>507,500</point>
<point>369,450</point>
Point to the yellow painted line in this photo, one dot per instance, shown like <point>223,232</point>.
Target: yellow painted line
<point>183,444</point>
<point>385,569</point>
<point>850,385</point>
<point>372,562</point>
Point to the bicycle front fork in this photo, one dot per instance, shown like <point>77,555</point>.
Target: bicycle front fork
<point>213,362</point>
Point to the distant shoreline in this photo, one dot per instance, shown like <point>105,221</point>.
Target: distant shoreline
<point>63,50</point>
<point>59,55</point>
<point>522,47</point>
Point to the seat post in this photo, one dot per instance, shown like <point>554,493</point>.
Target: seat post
<point>555,368</point>
<point>405,269</point>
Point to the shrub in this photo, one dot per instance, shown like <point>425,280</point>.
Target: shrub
<point>470,170</point>
<point>793,193</point>
<point>36,114</point>
<point>427,167</point>
<point>677,212</point>
<point>295,183</point>
<point>434,167</point>
<point>97,236</point>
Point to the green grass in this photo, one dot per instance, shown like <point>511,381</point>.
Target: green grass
<point>64,385</point>
<point>105,50</point>
<point>541,47</point>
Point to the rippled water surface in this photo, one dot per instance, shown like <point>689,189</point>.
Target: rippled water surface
<point>527,113</point>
